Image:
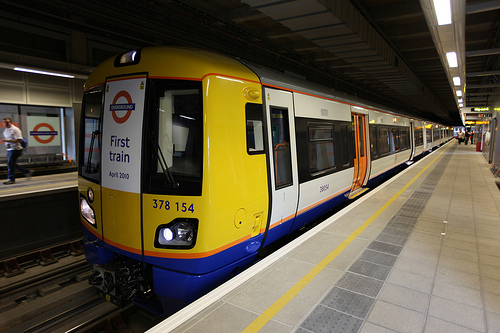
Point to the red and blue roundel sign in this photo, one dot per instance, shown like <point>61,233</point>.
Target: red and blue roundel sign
<point>127,107</point>
<point>36,133</point>
<point>44,130</point>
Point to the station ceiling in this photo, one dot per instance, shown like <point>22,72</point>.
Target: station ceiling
<point>381,50</point>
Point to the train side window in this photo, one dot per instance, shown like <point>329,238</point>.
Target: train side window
<point>383,141</point>
<point>373,142</point>
<point>281,147</point>
<point>436,134</point>
<point>395,144</point>
<point>404,138</point>
<point>321,148</point>
<point>255,128</point>
<point>90,153</point>
<point>419,138</point>
<point>344,139</point>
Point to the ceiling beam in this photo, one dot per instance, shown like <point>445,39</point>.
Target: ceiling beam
<point>488,93</point>
<point>482,7</point>
<point>485,73</point>
<point>486,85</point>
<point>482,52</point>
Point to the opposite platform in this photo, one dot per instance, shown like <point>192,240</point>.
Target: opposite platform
<point>387,263</point>
<point>38,213</point>
<point>39,185</point>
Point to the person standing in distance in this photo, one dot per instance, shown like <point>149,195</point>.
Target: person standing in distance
<point>12,136</point>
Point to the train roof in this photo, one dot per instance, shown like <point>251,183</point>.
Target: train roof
<point>169,62</point>
<point>195,64</point>
<point>289,82</point>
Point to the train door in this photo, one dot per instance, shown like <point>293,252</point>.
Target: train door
<point>361,167</point>
<point>412,140</point>
<point>493,145</point>
<point>121,164</point>
<point>428,136</point>
<point>282,147</point>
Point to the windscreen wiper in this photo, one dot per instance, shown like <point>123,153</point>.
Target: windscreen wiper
<point>168,175</point>
<point>88,167</point>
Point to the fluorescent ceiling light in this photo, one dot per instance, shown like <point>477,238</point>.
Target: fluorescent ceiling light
<point>459,93</point>
<point>35,71</point>
<point>443,11</point>
<point>456,80</point>
<point>452,59</point>
<point>461,105</point>
<point>186,117</point>
<point>460,100</point>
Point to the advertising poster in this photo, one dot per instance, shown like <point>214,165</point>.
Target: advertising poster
<point>122,134</point>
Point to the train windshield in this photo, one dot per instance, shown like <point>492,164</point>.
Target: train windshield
<point>90,156</point>
<point>174,130</point>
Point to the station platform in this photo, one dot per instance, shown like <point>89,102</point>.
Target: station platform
<point>39,185</point>
<point>421,253</point>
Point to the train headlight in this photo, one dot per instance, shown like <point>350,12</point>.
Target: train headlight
<point>178,234</point>
<point>129,58</point>
<point>87,211</point>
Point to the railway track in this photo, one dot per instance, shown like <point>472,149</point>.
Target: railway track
<point>58,298</point>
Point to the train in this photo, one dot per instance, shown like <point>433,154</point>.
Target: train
<point>191,162</point>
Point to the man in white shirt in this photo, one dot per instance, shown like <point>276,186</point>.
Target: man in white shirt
<point>12,136</point>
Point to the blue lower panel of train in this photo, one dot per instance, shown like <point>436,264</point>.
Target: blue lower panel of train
<point>120,277</point>
<point>185,287</point>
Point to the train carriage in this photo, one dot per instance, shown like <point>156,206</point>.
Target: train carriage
<point>191,162</point>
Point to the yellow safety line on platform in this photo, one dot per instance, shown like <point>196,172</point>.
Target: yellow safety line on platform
<point>270,312</point>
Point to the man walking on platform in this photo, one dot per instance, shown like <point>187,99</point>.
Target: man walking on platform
<point>12,136</point>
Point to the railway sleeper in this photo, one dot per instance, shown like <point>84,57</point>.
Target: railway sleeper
<point>12,268</point>
<point>76,248</point>
<point>45,257</point>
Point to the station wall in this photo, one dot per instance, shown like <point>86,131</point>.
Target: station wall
<point>28,98</point>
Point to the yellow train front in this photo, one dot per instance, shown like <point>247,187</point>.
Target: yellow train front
<point>191,161</point>
<point>173,189</point>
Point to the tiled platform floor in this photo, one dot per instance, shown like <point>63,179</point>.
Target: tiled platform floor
<point>445,278</point>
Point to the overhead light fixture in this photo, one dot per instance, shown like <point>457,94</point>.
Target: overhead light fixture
<point>461,105</point>
<point>36,71</point>
<point>452,59</point>
<point>460,100</point>
<point>442,9</point>
<point>446,22</point>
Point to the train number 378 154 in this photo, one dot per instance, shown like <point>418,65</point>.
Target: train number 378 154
<point>178,206</point>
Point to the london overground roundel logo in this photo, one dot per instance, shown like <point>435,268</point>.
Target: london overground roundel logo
<point>36,133</point>
<point>127,107</point>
